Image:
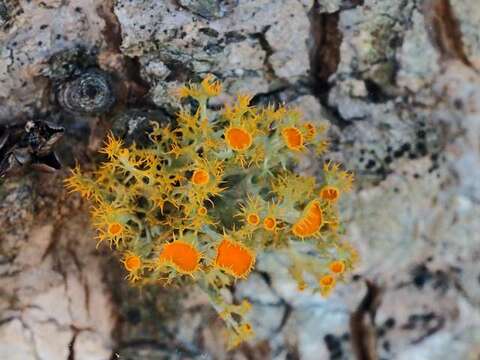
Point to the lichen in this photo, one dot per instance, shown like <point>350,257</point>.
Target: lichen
<point>208,194</point>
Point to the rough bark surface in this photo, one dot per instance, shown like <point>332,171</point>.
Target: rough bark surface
<point>399,81</point>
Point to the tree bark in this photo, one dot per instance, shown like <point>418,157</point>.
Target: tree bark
<point>399,82</point>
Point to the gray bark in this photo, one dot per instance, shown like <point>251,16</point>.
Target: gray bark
<point>399,82</point>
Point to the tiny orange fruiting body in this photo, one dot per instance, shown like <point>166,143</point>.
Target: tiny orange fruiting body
<point>184,257</point>
<point>253,219</point>
<point>311,222</point>
<point>330,193</point>
<point>301,286</point>
<point>337,266</point>
<point>293,138</point>
<point>238,138</point>
<point>269,223</point>
<point>115,229</point>
<point>200,177</point>
<point>202,211</point>
<point>327,281</point>
<point>247,327</point>
<point>132,263</point>
<point>234,258</point>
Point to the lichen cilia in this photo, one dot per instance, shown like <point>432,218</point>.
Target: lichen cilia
<point>205,197</point>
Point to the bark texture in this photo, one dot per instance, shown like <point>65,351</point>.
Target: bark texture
<point>399,81</point>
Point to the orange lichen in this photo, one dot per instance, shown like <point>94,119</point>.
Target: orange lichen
<point>77,183</point>
<point>333,225</point>
<point>269,223</point>
<point>182,92</point>
<point>112,146</point>
<point>302,285</point>
<point>132,263</point>
<point>214,188</point>
<point>327,281</point>
<point>184,257</point>
<point>330,193</point>
<point>115,229</point>
<point>238,139</point>
<point>293,138</point>
<point>234,258</point>
<point>334,176</point>
<point>311,222</point>
<point>207,88</point>
<point>211,87</point>
<point>200,177</point>
<point>253,219</point>
<point>202,211</point>
<point>326,284</point>
<point>337,267</point>
<point>247,327</point>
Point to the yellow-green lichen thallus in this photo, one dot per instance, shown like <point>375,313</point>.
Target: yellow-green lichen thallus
<point>204,198</point>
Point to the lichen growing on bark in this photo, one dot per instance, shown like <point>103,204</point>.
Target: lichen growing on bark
<point>211,192</point>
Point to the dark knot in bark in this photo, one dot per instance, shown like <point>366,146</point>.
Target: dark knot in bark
<point>90,93</point>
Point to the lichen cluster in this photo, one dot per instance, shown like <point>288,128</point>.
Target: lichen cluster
<point>212,191</point>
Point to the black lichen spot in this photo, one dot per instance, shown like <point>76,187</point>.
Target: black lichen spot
<point>385,327</point>
<point>458,104</point>
<point>402,150</point>
<point>3,11</point>
<point>334,346</point>
<point>213,48</point>
<point>441,280</point>
<point>421,134</point>
<point>427,317</point>
<point>370,164</point>
<point>209,32</point>
<point>386,346</point>
<point>8,10</point>
<point>389,323</point>
<point>421,148</point>
<point>233,37</point>
<point>356,277</point>
<point>90,93</point>
<point>382,171</point>
<point>421,275</point>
